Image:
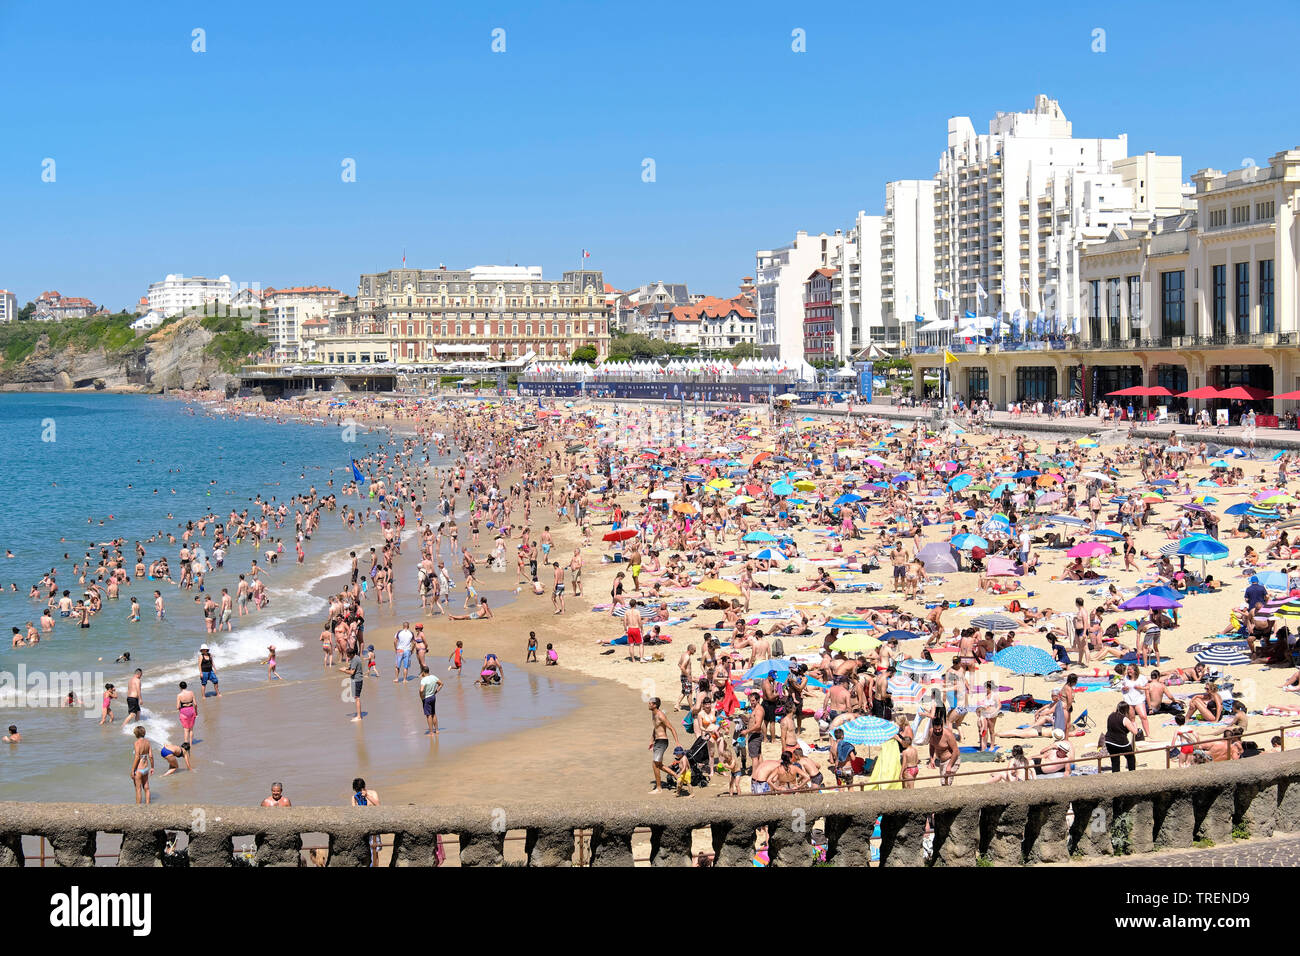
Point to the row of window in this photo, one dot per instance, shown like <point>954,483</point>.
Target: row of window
<point>1172,299</point>
<point>527,303</point>
<point>1264,212</point>
<point>482,328</point>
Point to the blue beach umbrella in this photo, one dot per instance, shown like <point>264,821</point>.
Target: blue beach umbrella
<point>850,624</point>
<point>1240,509</point>
<point>760,671</point>
<point>1204,548</point>
<point>758,536</point>
<point>1024,659</point>
<point>768,554</point>
<point>960,482</point>
<point>965,542</point>
<point>899,636</point>
<point>1107,533</point>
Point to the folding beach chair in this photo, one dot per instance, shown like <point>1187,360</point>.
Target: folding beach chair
<point>1083,721</point>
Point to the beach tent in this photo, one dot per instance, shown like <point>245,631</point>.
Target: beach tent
<point>938,558</point>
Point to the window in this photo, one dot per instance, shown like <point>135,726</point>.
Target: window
<point>1266,295</point>
<point>1264,210</point>
<point>1243,298</point>
<point>410,329</point>
<point>501,328</point>
<point>1241,214</point>
<point>1114,306</point>
<point>1171,303</point>
<point>1219,301</point>
<point>1094,317</point>
<point>1135,305</point>
<point>1218,217</point>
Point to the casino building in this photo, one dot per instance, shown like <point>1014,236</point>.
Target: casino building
<point>1207,297</point>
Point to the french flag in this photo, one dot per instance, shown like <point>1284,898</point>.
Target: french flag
<point>586,254</point>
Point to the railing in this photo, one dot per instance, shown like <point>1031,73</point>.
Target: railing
<point>1004,823</point>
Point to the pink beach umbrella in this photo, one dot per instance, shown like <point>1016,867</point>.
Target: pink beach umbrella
<point>1089,549</point>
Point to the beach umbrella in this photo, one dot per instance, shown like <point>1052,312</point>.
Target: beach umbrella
<point>1088,549</point>
<point>855,643</point>
<point>719,484</point>
<point>904,690</point>
<point>1026,473</point>
<point>995,622</point>
<point>847,498</point>
<point>768,554</point>
<point>1288,609</point>
<point>663,494</point>
<point>1275,499</point>
<point>1274,580</point>
<point>1219,655</point>
<point>850,624</point>
<point>1107,533</point>
<point>1200,546</point>
<point>782,488</point>
<point>869,731</point>
<point>1024,659</point>
<point>960,482</point>
<point>622,534</point>
<point>684,508</point>
<point>899,636</point>
<point>1162,483</point>
<point>720,586</point>
<point>1146,601</point>
<point>965,542</point>
<point>758,536</point>
<point>917,666</point>
<point>739,501</point>
<point>760,670</point>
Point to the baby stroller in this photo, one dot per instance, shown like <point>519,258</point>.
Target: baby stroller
<point>697,757</point>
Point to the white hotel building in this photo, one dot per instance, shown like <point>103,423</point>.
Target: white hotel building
<point>1206,297</point>
<point>177,293</point>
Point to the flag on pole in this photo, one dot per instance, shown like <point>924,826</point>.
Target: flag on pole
<point>920,318</point>
<point>949,358</point>
<point>942,294</point>
<point>586,254</point>
<point>979,291</point>
<point>356,473</point>
<point>403,257</point>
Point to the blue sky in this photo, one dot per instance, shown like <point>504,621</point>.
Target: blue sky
<point>229,161</point>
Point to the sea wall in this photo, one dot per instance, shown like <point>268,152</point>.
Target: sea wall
<point>1042,821</point>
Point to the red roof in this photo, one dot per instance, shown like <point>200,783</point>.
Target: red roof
<point>712,307</point>
<point>303,290</point>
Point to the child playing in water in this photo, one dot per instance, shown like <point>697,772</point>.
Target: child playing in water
<point>110,695</point>
<point>457,658</point>
<point>552,658</point>
<point>270,664</point>
<point>371,669</point>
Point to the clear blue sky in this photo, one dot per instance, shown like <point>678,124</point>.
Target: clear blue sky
<point>228,161</point>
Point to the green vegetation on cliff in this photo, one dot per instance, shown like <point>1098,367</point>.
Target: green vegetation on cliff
<point>112,333</point>
<point>230,344</point>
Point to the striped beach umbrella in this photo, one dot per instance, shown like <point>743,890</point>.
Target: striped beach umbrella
<point>869,731</point>
<point>1221,656</point>
<point>904,690</point>
<point>919,667</point>
<point>996,622</point>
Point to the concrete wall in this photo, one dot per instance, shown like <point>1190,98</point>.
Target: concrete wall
<point>1005,824</point>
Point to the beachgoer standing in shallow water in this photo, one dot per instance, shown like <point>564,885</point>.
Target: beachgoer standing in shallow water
<point>141,765</point>
<point>187,709</point>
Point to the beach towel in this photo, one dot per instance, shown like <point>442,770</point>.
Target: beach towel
<point>889,767</point>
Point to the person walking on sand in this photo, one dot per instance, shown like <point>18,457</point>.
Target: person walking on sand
<point>429,687</point>
<point>632,626</point>
<point>557,593</point>
<point>659,731</point>
<point>141,765</point>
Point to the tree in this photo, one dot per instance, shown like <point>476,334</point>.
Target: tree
<point>585,353</point>
<point>26,311</point>
<point>744,350</point>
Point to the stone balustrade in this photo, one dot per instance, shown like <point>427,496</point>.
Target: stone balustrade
<point>1042,821</point>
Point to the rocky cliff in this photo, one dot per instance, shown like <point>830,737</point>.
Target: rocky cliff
<point>171,357</point>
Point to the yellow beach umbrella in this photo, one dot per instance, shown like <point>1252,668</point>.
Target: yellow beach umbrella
<point>719,484</point>
<point>804,484</point>
<point>855,643</point>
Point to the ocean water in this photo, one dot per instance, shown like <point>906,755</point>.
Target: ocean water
<point>86,469</point>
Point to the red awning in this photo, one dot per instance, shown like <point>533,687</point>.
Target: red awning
<point>1134,390</point>
<point>1290,396</point>
<point>1205,391</point>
